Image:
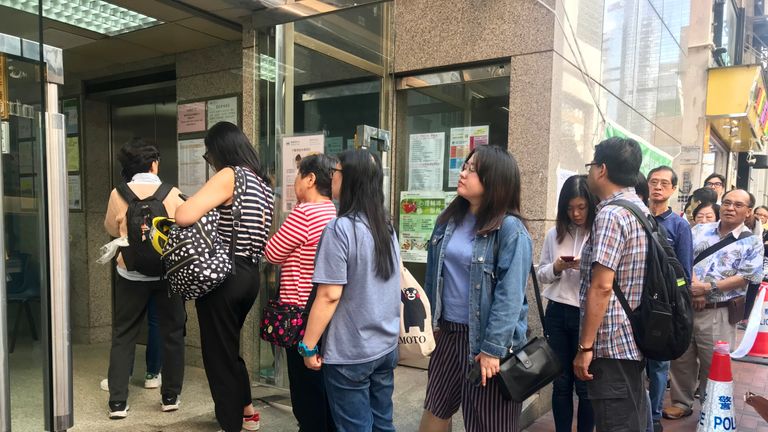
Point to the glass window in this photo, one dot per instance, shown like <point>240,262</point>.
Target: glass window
<point>441,117</point>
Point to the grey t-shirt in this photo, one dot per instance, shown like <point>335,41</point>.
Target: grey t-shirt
<point>366,323</point>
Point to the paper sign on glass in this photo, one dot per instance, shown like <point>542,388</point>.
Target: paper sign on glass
<point>191,117</point>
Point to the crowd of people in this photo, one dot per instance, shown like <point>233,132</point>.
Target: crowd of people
<point>340,265</point>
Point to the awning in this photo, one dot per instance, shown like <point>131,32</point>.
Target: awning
<point>737,106</point>
<point>652,156</point>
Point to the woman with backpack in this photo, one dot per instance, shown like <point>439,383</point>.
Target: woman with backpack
<point>138,277</point>
<point>477,269</point>
<point>221,313</point>
<point>559,268</point>
<point>356,306</point>
<point>293,247</point>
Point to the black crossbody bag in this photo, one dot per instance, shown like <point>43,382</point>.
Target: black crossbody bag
<point>526,371</point>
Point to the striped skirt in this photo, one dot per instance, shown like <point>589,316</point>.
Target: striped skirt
<point>448,388</point>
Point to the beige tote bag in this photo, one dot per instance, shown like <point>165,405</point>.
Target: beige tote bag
<point>416,340</point>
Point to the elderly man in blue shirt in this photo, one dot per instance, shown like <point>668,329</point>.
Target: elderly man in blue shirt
<point>727,257</point>
<point>662,183</point>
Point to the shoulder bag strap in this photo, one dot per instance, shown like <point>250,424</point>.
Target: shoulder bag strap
<point>539,304</point>
<point>536,290</point>
<point>649,229</point>
<point>237,202</point>
<point>162,191</point>
<point>719,245</point>
<point>125,191</point>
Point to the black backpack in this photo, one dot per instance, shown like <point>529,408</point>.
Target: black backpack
<point>139,255</point>
<point>663,322</point>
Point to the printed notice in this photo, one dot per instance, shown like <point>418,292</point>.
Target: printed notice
<point>222,110</point>
<point>418,213</point>
<point>75,193</point>
<point>425,161</point>
<point>295,148</point>
<point>192,172</point>
<point>191,117</point>
<point>73,153</point>
<point>334,145</point>
<point>463,140</point>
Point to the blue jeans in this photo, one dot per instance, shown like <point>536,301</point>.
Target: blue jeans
<point>360,395</point>
<point>657,376</point>
<point>562,322</point>
<point>154,353</point>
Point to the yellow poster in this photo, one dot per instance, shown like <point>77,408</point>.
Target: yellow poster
<point>73,154</point>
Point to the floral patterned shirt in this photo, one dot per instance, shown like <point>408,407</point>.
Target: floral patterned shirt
<point>743,258</point>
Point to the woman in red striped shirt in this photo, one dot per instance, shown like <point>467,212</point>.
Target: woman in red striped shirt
<point>293,247</point>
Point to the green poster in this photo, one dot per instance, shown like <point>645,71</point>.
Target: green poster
<point>418,213</point>
<point>652,156</point>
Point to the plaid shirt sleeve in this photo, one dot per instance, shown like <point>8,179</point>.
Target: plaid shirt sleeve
<point>608,238</point>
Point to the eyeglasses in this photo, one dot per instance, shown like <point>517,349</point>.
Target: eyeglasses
<point>466,166</point>
<point>735,204</point>
<point>711,184</point>
<point>207,158</point>
<point>591,164</point>
<point>333,170</point>
<point>663,183</point>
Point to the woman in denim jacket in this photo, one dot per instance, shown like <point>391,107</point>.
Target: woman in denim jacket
<point>478,301</point>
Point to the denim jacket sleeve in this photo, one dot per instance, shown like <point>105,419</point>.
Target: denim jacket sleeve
<point>430,281</point>
<point>507,321</point>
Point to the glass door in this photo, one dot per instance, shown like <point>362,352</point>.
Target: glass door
<point>35,353</point>
<point>24,240</point>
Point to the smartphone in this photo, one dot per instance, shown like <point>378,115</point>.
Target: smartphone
<point>567,258</point>
<point>474,376</point>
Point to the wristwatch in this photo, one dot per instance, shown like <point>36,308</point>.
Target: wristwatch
<point>584,349</point>
<point>305,351</point>
<point>713,286</point>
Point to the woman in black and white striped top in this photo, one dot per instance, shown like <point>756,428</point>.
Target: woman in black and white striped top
<point>222,312</point>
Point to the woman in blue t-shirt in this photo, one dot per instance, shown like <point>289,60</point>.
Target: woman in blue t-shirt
<point>357,301</point>
<point>477,268</point>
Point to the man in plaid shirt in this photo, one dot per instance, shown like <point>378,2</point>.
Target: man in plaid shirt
<point>608,357</point>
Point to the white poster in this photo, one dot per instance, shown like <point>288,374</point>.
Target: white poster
<point>425,161</point>
<point>562,176</point>
<point>75,192</point>
<point>192,171</point>
<point>222,110</point>
<point>463,140</point>
<point>294,148</point>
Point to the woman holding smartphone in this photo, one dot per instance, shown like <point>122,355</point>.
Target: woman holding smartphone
<point>559,267</point>
<point>477,269</point>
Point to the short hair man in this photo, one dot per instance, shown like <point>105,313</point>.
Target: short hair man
<point>608,357</point>
<point>720,274</point>
<point>716,182</point>
<point>662,183</point>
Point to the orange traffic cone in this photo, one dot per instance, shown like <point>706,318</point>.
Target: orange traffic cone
<point>717,413</point>
<point>760,347</point>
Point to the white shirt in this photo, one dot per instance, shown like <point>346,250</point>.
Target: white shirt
<point>562,288</point>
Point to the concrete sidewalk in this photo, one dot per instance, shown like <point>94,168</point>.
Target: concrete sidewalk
<point>196,413</point>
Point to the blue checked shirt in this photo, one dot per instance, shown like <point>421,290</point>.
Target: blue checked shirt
<point>619,242</point>
<point>743,258</point>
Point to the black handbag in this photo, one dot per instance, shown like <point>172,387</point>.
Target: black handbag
<point>527,370</point>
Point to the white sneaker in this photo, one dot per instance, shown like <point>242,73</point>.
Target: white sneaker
<point>104,384</point>
<point>118,410</point>
<point>152,381</point>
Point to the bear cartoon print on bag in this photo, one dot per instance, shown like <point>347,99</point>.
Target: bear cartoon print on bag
<point>414,312</point>
<point>416,340</point>
<point>195,258</point>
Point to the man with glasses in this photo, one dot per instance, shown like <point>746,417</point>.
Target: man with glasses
<point>608,358</point>
<point>662,183</point>
<point>716,182</point>
<point>727,257</point>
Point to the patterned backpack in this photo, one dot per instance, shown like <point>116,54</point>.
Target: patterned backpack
<point>195,258</point>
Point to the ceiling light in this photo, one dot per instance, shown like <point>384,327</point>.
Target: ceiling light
<point>94,15</point>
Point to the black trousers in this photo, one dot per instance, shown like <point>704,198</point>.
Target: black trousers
<point>131,298</point>
<point>221,314</point>
<point>310,404</point>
